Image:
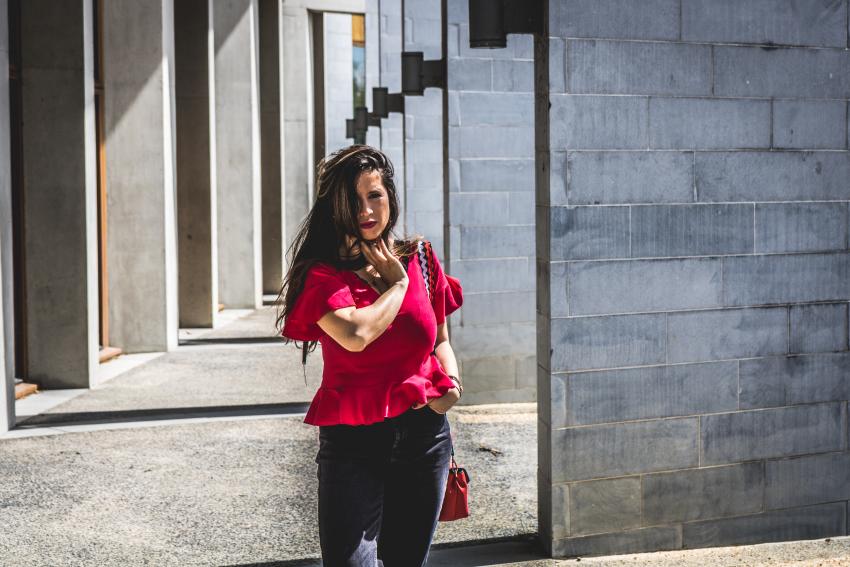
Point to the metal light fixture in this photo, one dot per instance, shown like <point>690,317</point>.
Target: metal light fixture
<point>418,74</point>
<point>383,102</point>
<point>490,21</point>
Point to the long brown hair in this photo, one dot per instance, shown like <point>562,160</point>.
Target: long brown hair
<point>333,215</point>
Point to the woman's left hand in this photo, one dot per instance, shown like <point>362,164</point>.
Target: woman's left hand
<point>442,404</point>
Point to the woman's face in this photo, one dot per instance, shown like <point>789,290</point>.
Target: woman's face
<point>374,205</point>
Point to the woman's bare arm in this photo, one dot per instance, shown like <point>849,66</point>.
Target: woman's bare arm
<point>445,353</point>
<point>354,329</point>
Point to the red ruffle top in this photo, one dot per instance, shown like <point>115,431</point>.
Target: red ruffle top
<point>393,372</point>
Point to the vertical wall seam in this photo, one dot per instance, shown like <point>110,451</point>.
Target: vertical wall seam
<point>738,393</point>
<point>770,123</point>
<point>694,174</point>
<point>711,70</point>
<point>681,31</point>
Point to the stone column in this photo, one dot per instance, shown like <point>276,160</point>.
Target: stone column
<point>60,215</point>
<point>196,182</point>
<point>339,74</point>
<point>140,173</point>
<point>7,333</point>
<point>273,224</point>
<point>297,102</point>
<point>237,142</point>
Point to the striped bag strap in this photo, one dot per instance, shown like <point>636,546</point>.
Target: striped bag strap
<point>422,254</point>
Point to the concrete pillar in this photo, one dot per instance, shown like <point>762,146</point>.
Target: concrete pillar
<point>373,63</point>
<point>392,128</point>
<point>691,196</point>
<point>339,74</point>
<point>237,165</point>
<point>60,215</point>
<point>7,367</point>
<point>298,122</point>
<point>297,102</point>
<point>196,182</point>
<point>140,173</point>
<point>271,154</point>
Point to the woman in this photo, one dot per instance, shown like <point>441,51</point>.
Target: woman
<point>390,374</point>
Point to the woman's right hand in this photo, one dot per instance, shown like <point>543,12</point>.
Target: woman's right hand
<point>385,262</point>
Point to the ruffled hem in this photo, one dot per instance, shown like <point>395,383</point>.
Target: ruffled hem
<point>363,405</point>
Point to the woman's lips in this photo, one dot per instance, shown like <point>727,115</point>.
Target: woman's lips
<point>369,224</point>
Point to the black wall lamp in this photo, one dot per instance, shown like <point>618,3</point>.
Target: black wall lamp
<point>383,102</point>
<point>490,21</point>
<point>418,74</point>
<point>356,128</point>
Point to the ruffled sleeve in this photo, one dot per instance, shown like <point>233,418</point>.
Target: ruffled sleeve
<point>448,293</point>
<point>324,290</point>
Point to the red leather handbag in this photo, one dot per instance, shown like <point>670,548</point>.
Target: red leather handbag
<point>455,502</point>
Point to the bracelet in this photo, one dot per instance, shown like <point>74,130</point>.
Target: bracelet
<point>456,380</point>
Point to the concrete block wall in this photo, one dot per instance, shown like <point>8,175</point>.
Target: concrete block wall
<point>423,131</point>
<point>692,233</point>
<point>491,212</point>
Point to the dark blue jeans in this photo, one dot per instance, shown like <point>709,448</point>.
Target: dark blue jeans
<point>381,487</point>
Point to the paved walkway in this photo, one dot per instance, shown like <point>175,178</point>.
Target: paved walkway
<point>200,457</point>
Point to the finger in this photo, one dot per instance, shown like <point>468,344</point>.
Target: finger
<point>419,406</point>
<point>386,249</point>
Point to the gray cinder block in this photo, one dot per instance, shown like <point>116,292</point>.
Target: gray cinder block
<point>478,208</point>
<point>772,176</point>
<point>651,392</point>
<point>580,233</point>
<point>691,230</point>
<point>779,432</point>
<point>557,65</point>
<point>800,227</point>
<point>497,308</point>
<point>807,480</point>
<point>496,340</point>
<point>811,522</point>
<point>818,328</point>
<point>704,123</point>
<point>788,22</point>
<point>623,286</point>
<point>513,76</point>
<point>634,68</point>
<point>511,174</point>
<point>783,72</point>
<point>608,341</point>
<point>630,177</point>
<point>470,74</point>
<point>597,122</point>
<point>809,124</point>
<point>782,380</point>
<point>494,141</point>
<point>497,241</point>
<point>632,541</point>
<point>760,280</point>
<point>604,505</point>
<point>501,274</point>
<point>625,19</point>
<point>734,333</point>
<point>700,494</point>
<point>620,449</point>
<point>496,109</point>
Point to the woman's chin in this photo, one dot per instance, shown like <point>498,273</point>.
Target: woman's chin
<point>370,234</point>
